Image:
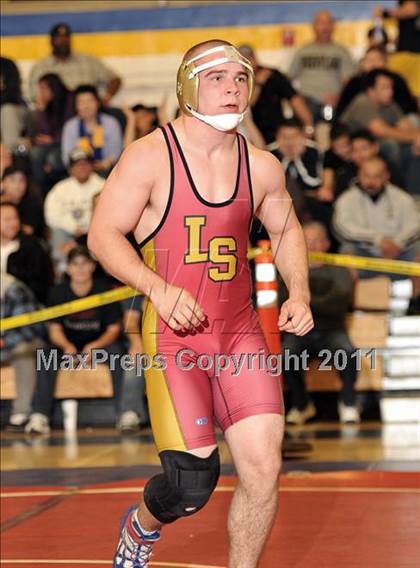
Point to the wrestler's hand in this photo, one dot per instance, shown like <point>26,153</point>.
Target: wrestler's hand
<point>177,307</point>
<point>295,317</point>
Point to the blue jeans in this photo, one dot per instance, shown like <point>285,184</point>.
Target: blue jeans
<point>133,395</point>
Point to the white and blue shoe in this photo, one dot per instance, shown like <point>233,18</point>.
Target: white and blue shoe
<point>134,549</point>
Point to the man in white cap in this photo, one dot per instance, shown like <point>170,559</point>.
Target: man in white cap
<point>189,192</point>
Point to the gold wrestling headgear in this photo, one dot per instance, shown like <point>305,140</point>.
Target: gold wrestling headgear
<point>188,82</point>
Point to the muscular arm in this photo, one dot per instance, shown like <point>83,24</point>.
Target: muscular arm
<point>276,212</point>
<point>123,200</point>
<point>118,211</point>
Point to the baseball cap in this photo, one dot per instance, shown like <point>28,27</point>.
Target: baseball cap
<point>78,154</point>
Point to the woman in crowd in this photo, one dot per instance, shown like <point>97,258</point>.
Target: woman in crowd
<point>91,130</point>
<point>23,256</point>
<point>54,105</point>
<point>16,189</point>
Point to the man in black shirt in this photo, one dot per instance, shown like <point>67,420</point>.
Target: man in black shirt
<point>81,332</point>
<point>303,163</point>
<point>331,298</point>
<point>376,58</point>
<point>271,88</point>
<point>338,167</point>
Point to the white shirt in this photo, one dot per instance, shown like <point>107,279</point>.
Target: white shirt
<point>68,205</point>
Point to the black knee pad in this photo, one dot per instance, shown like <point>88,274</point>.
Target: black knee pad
<point>185,486</point>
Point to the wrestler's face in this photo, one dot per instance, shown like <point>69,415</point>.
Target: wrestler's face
<point>223,89</point>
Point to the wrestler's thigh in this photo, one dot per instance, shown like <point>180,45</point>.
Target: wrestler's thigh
<point>180,406</point>
<point>252,390</point>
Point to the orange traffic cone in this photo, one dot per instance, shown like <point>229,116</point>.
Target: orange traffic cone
<point>267,296</point>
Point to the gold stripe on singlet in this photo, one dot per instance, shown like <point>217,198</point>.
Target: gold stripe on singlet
<point>164,420</point>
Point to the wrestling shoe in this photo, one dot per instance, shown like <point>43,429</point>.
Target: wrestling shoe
<point>134,548</point>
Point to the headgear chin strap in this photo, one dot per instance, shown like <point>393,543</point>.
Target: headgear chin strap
<point>188,83</point>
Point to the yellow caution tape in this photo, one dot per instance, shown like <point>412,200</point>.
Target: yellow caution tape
<point>118,294</point>
<point>360,262</point>
<point>87,303</point>
<point>364,263</point>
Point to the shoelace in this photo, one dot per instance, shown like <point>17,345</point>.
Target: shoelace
<point>138,551</point>
<point>145,552</point>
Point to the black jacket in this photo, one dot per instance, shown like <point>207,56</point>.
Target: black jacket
<point>32,265</point>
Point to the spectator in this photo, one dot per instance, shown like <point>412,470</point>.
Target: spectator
<point>54,106</point>
<point>407,14</point>
<point>338,168</point>
<point>18,346</point>
<point>75,69</point>
<point>23,256</point>
<point>96,328</point>
<point>6,158</point>
<point>377,35</point>
<point>414,305</point>
<point>68,206</point>
<point>133,411</point>
<point>93,131</point>
<point>15,189</point>
<point>302,163</point>
<point>13,111</point>
<point>331,298</point>
<point>300,158</point>
<point>141,120</point>
<point>363,147</point>
<point>272,89</point>
<point>387,223</point>
<point>376,58</point>
<point>321,67</point>
<point>376,110</point>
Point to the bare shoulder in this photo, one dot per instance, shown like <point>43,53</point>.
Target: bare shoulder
<point>266,171</point>
<point>144,155</point>
<point>134,178</point>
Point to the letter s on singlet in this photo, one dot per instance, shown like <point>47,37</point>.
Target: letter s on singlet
<point>215,252</point>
